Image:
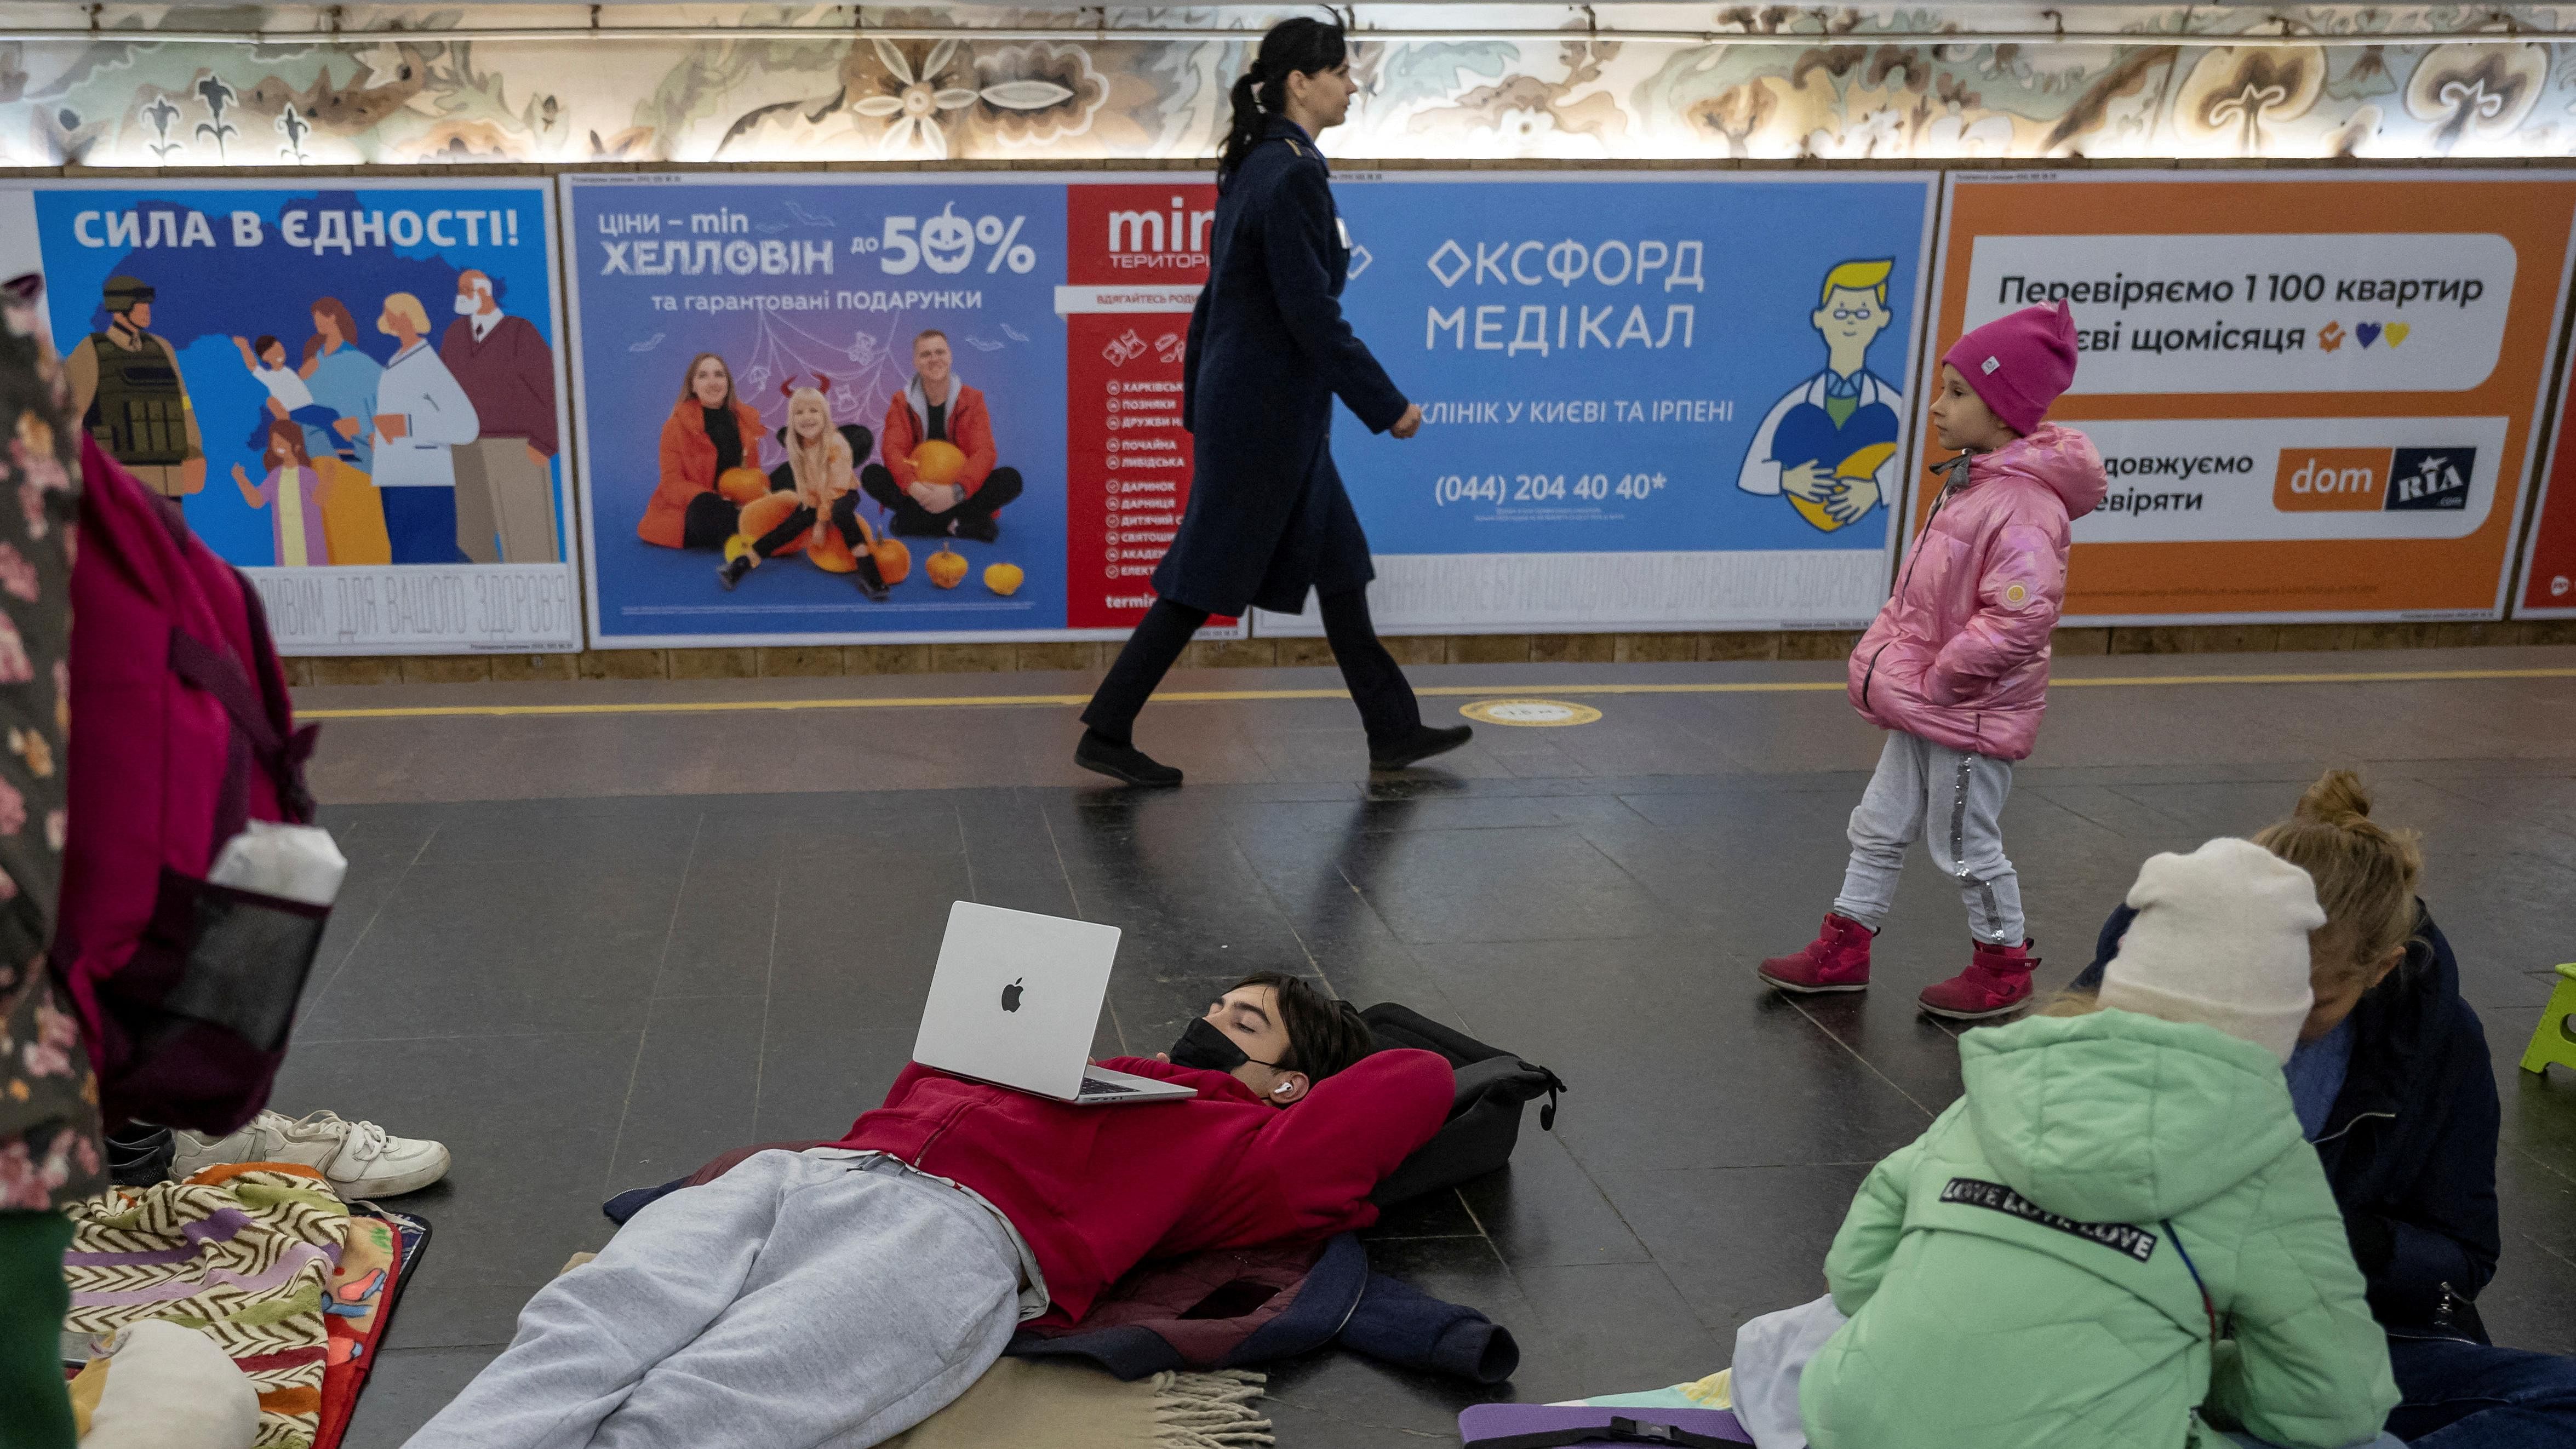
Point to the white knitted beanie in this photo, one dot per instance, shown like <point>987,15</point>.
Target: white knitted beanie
<point>2221,939</point>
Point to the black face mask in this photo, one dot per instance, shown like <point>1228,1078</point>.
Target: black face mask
<point>1208,1049</point>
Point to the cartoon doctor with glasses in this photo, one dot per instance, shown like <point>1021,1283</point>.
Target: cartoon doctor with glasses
<point>1830,445</point>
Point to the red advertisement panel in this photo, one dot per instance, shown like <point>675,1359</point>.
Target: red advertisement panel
<point>2549,559</point>
<point>1135,259</point>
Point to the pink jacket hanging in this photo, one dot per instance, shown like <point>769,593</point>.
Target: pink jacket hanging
<point>1959,653</point>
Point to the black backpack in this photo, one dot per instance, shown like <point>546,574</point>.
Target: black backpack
<point>1484,1118</point>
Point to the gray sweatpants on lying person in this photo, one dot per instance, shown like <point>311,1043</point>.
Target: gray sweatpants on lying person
<point>798,1301</point>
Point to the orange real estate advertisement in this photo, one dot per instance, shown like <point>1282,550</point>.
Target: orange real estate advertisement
<point>2315,391</point>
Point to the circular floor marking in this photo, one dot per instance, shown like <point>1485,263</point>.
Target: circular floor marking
<point>1531,713</point>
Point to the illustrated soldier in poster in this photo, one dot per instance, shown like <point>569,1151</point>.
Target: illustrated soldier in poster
<point>128,393</point>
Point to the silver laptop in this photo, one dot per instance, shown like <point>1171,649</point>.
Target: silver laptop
<point>1014,1002</point>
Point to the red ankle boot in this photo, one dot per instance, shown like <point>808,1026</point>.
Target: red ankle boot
<point>1837,960</point>
<point>1996,983</point>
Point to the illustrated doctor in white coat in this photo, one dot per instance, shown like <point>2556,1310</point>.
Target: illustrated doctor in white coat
<point>1835,413</point>
<point>421,413</point>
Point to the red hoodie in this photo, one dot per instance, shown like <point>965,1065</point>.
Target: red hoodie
<point>1097,1190</point>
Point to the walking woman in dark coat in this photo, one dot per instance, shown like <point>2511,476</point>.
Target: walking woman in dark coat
<point>1268,351</point>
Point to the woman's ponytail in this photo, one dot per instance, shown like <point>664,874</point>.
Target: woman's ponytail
<point>1301,46</point>
<point>1243,131</point>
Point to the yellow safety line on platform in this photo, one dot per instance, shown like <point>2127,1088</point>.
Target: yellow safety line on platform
<point>1253,696</point>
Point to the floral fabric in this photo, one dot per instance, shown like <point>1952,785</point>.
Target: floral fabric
<point>49,1126</point>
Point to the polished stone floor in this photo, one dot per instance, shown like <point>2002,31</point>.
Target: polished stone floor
<point>590,949</point>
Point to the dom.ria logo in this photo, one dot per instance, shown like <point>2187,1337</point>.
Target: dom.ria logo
<point>2430,477</point>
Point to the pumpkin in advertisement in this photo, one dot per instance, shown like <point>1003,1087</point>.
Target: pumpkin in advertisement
<point>894,561</point>
<point>948,241</point>
<point>946,568</point>
<point>938,462</point>
<point>742,485</point>
<point>1004,578</point>
<point>831,553</point>
<point>765,513</point>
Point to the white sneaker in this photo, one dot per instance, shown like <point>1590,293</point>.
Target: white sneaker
<point>358,1159</point>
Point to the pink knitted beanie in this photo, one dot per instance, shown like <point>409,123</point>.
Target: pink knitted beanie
<point>2019,363</point>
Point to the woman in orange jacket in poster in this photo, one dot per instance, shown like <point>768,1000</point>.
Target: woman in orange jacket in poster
<point>711,433</point>
<point>949,498</point>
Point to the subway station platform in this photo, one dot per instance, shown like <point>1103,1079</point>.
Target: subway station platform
<point>596,933</point>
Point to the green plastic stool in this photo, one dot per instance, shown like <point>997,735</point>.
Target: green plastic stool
<point>2550,1041</point>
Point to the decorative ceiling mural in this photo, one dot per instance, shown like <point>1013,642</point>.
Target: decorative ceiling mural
<point>830,91</point>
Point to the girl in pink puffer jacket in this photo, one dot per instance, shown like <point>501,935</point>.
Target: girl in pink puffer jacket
<point>1956,665</point>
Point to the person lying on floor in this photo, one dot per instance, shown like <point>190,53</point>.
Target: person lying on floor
<point>841,1295</point>
<point>2119,1223</point>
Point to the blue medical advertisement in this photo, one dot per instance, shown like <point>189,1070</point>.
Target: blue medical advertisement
<point>895,317</point>
<point>1636,366</point>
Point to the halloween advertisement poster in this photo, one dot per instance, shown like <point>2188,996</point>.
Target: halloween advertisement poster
<point>354,390</point>
<point>2316,394</point>
<point>821,409</point>
<point>1670,401</point>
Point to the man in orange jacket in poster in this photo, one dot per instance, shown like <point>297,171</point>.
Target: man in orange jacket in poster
<point>939,496</point>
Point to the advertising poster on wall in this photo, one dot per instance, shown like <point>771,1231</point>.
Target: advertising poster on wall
<point>2547,586</point>
<point>1136,258</point>
<point>2316,393</point>
<point>820,409</point>
<point>880,409</point>
<point>1656,401</point>
<point>354,392</point>
<point>353,389</point>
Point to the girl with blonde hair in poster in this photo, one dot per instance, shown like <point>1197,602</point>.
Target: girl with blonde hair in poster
<point>820,513</point>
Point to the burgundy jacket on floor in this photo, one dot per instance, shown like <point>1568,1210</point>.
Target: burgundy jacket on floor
<point>1097,1190</point>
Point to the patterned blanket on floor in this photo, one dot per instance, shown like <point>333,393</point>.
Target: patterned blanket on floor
<point>241,1253</point>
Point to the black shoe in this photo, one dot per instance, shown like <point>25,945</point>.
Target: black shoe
<point>978,527</point>
<point>139,1156</point>
<point>871,582</point>
<point>732,570</point>
<point>1418,746</point>
<point>1122,762</point>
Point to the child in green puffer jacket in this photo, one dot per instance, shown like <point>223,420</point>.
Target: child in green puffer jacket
<point>2119,1228</point>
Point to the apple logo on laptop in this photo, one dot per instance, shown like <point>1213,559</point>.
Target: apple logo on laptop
<point>1011,996</point>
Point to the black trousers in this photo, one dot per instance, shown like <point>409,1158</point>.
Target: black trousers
<point>711,520</point>
<point>1377,684</point>
<point>845,521</point>
<point>1000,487</point>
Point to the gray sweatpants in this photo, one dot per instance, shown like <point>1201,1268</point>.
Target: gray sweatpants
<point>1951,800</point>
<point>799,1300</point>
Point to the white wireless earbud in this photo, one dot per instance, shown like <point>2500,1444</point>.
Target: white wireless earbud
<point>1280,1091</point>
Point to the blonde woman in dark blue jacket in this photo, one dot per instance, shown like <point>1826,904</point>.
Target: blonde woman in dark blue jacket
<point>2393,1083</point>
